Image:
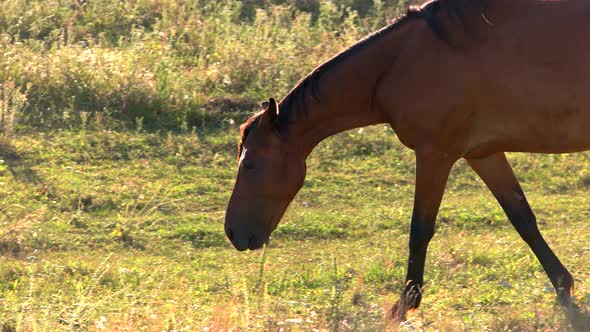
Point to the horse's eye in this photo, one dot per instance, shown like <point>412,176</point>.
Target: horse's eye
<point>248,164</point>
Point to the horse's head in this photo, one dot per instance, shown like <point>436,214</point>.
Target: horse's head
<point>270,172</point>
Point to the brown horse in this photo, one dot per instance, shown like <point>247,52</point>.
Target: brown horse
<point>455,79</point>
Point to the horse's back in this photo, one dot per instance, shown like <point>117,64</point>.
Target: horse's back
<point>536,69</point>
<point>522,87</point>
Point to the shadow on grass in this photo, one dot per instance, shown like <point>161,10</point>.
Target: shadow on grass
<point>578,317</point>
<point>20,169</point>
<point>200,238</point>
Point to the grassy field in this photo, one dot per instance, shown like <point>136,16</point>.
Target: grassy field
<point>168,64</point>
<point>118,129</point>
<point>111,230</point>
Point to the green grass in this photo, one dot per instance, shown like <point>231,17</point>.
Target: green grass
<point>107,230</point>
<point>118,125</point>
<point>169,64</point>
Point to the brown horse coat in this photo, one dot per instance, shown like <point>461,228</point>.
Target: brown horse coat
<point>455,79</point>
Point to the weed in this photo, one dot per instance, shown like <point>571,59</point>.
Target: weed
<point>12,102</point>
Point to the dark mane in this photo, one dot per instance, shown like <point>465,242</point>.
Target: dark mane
<point>465,15</point>
<point>295,99</point>
<point>457,12</point>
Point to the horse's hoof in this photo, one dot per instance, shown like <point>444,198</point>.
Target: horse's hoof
<point>398,312</point>
<point>409,301</point>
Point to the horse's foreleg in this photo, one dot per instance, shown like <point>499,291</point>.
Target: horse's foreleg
<point>497,174</point>
<point>432,171</point>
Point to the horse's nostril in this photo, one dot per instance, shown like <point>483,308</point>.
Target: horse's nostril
<point>230,234</point>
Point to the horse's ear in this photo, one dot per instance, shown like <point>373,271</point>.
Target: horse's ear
<point>271,112</point>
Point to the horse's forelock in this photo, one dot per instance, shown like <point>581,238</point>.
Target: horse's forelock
<point>245,129</point>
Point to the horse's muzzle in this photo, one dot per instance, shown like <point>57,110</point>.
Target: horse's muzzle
<point>249,223</point>
<point>243,239</point>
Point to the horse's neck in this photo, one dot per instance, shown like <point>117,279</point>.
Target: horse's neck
<point>347,93</point>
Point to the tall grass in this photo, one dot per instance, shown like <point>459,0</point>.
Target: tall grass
<point>12,101</point>
<point>170,63</point>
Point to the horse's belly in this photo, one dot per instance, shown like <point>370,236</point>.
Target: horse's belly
<point>543,135</point>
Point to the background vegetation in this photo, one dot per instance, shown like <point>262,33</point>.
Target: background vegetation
<point>118,125</point>
<point>170,63</point>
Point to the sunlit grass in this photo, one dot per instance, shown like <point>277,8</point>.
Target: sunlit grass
<point>118,124</point>
<point>104,230</point>
<point>167,64</point>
